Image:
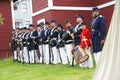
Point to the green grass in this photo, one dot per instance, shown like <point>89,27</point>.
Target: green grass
<point>10,70</point>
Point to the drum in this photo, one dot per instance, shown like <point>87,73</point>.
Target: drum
<point>80,54</point>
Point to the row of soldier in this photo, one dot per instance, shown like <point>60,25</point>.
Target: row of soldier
<point>50,43</point>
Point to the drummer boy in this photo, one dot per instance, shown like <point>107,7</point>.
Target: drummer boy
<point>85,43</point>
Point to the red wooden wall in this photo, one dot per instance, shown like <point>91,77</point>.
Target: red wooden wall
<point>107,13</point>
<point>61,15</point>
<point>81,3</point>
<point>39,4</point>
<point>99,2</point>
<point>6,28</point>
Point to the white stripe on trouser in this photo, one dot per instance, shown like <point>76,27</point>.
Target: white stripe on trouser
<point>15,55</point>
<point>21,55</point>
<point>36,56</point>
<point>46,52</point>
<point>55,55</point>
<point>63,55</point>
<point>20,51</point>
<point>97,57</point>
<point>40,52</point>
<point>69,47</point>
<point>25,54</point>
<point>59,61</point>
<point>31,54</point>
<point>89,62</point>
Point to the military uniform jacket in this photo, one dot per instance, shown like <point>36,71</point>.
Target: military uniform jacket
<point>13,43</point>
<point>67,37</point>
<point>77,31</point>
<point>46,36</point>
<point>53,36</point>
<point>32,42</point>
<point>60,41</point>
<point>24,41</point>
<point>85,39</point>
<point>40,36</point>
<point>98,32</point>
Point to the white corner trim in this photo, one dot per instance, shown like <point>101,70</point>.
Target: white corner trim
<point>51,7</point>
<point>107,4</point>
<point>31,9</point>
<point>50,3</point>
<point>70,8</point>
<point>12,12</point>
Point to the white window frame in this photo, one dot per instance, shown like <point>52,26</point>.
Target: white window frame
<point>27,7</point>
<point>40,21</point>
<point>27,22</point>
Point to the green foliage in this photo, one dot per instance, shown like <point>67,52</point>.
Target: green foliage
<point>10,70</point>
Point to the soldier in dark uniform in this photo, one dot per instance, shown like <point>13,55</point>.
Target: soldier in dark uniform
<point>32,45</point>
<point>13,45</point>
<point>98,27</point>
<point>25,45</point>
<point>61,44</point>
<point>19,45</point>
<point>77,30</point>
<point>40,31</point>
<point>45,41</point>
<point>69,41</point>
<point>53,37</point>
<point>15,38</point>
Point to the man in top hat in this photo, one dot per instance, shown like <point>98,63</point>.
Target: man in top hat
<point>53,42</point>
<point>61,44</point>
<point>69,42</point>
<point>98,27</point>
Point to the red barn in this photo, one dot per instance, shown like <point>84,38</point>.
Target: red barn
<point>6,28</point>
<point>64,9</point>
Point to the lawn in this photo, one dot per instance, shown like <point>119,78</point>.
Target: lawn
<point>10,70</point>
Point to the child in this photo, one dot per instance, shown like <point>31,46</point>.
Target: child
<point>85,43</point>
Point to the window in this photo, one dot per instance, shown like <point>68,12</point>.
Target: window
<point>24,7</point>
<point>27,23</point>
<point>41,21</point>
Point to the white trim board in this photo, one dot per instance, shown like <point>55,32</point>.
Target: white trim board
<point>12,12</point>
<point>51,7</point>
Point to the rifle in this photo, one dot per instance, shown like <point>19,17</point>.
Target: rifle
<point>50,56</point>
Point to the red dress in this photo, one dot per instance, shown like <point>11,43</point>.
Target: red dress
<point>85,39</point>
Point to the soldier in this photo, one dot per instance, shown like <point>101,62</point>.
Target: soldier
<point>77,30</point>
<point>85,43</point>
<point>45,40</point>
<point>14,38</point>
<point>24,42</point>
<point>53,37</point>
<point>40,31</point>
<point>13,45</point>
<point>69,41</point>
<point>61,44</point>
<point>32,45</point>
<point>98,27</point>
<point>19,45</point>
